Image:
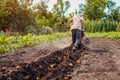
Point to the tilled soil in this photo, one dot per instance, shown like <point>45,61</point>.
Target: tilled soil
<point>98,61</point>
<point>102,62</point>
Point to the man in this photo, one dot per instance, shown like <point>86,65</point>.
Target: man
<point>76,29</point>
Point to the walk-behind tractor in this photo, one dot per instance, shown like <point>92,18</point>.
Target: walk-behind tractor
<point>85,40</point>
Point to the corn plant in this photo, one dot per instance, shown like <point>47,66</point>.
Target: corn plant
<point>101,26</point>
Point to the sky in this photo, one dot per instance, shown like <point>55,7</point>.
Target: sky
<point>74,4</point>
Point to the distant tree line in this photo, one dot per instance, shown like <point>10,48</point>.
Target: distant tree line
<point>23,16</point>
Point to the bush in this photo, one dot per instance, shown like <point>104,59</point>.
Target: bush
<point>46,30</point>
<point>12,42</point>
<point>32,29</point>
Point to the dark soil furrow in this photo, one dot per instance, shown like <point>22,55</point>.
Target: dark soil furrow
<point>55,66</point>
<point>51,63</point>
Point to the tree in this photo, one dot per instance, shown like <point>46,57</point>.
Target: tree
<point>42,15</point>
<point>81,8</point>
<point>20,17</point>
<point>60,8</point>
<point>3,14</point>
<point>16,14</point>
<point>94,9</point>
<point>115,14</point>
<point>110,7</point>
<point>41,8</point>
<point>3,11</point>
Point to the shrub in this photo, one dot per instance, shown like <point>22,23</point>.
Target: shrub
<point>46,30</point>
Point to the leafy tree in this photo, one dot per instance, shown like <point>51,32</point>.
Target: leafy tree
<point>3,14</point>
<point>94,9</point>
<point>110,6</point>
<point>3,11</point>
<point>17,15</point>
<point>60,8</point>
<point>81,8</point>
<point>41,8</point>
<point>115,14</point>
<point>43,16</point>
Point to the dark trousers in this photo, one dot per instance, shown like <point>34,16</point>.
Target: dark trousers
<point>76,38</point>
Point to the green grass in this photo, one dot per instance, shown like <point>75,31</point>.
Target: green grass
<point>115,35</point>
<point>13,42</point>
<point>101,26</point>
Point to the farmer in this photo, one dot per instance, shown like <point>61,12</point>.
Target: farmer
<point>76,29</point>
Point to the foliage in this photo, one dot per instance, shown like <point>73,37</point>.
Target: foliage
<point>46,30</point>
<point>16,15</point>
<point>101,26</point>
<point>46,18</point>
<point>115,14</point>
<point>3,13</point>
<point>15,41</point>
<point>43,21</point>
<point>41,8</point>
<point>114,35</point>
<point>60,8</point>
<point>97,9</point>
<point>94,9</point>
<point>23,16</point>
<point>110,5</point>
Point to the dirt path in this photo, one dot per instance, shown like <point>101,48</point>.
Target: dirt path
<point>32,53</point>
<point>9,61</point>
<point>102,62</point>
<point>55,62</point>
